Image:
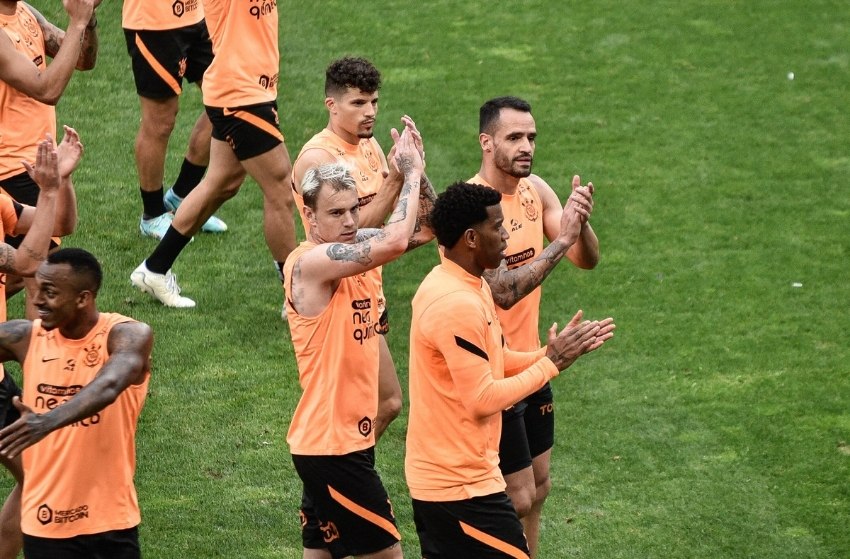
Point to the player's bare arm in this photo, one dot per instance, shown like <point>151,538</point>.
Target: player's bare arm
<point>34,247</point>
<point>14,340</point>
<point>69,153</point>
<point>48,86</point>
<point>130,345</point>
<point>510,286</point>
<point>53,37</point>
<point>584,253</point>
<point>422,232</point>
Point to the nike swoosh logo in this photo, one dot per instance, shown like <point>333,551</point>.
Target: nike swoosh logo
<point>227,112</point>
<point>45,359</point>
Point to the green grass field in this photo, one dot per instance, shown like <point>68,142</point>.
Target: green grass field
<point>715,424</point>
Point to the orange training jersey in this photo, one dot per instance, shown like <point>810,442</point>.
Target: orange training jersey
<point>367,168</point>
<point>79,477</point>
<point>23,120</point>
<point>245,68</point>
<point>523,213</point>
<point>458,365</point>
<point>161,15</point>
<point>8,222</point>
<point>337,355</point>
<point>363,158</point>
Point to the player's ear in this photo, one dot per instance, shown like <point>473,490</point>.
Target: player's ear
<point>309,215</point>
<point>330,103</point>
<point>84,298</point>
<point>486,142</point>
<point>470,238</point>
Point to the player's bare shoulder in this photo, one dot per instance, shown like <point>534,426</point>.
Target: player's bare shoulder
<point>307,159</point>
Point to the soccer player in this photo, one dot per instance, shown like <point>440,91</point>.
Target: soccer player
<point>240,91</point>
<point>507,135</point>
<point>86,374</point>
<point>351,98</point>
<point>55,214</point>
<point>29,89</point>
<point>167,41</point>
<point>332,292</point>
<point>462,375</point>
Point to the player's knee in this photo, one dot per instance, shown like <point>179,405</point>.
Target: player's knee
<point>543,488</point>
<point>522,499</point>
<point>158,129</point>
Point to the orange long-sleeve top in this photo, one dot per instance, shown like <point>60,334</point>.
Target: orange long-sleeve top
<point>461,377</point>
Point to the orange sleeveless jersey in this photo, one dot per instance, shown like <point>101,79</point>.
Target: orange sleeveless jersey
<point>80,477</point>
<point>23,120</point>
<point>246,64</point>
<point>160,15</point>
<point>337,355</point>
<point>523,213</point>
<point>8,222</point>
<point>458,363</point>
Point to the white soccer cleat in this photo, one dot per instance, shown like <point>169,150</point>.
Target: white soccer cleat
<point>162,287</point>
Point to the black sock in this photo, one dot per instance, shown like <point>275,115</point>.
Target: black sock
<point>166,252</point>
<point>152,204</point>
<point>189,177</point>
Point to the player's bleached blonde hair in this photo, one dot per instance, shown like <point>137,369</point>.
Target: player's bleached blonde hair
<point>337,175</point>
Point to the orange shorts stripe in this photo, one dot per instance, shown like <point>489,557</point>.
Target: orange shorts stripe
<point>157,67</point>
<point>495,543</point>
<point>256,121</point>
<point>364,513</point>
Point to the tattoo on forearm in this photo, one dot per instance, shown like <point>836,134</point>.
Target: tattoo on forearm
<point>88,54</point>
<point>14,331</point>
<point>7,258</point>
<point>38,255</point>
<point>367,233</point>
<point>350,253</point>
<point>509,286</point>
<point>52,36</point>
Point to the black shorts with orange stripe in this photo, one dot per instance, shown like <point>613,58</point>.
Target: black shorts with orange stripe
<point>345,508</point>
<point>162,59</point>
<point>250,130</point>
<point>482,527</point>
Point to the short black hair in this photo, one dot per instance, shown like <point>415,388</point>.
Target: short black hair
<point>351,72</point>
<point>461,206</point>
<point>85,266</point>
<point>488,115</point>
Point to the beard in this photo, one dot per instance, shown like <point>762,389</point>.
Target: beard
<point>513,167</point>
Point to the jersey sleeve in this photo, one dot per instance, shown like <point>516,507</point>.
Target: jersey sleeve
<point>463,341</point>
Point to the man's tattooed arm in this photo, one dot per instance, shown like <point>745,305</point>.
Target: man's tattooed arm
<point>510,286</point>
<point>358,253</point>
<point>53,37</point>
